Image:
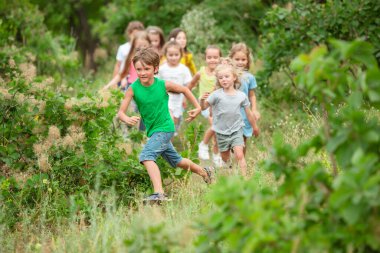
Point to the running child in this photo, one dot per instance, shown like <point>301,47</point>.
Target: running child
<point>228,123</point>
<point>123,50</point>
<point>179,36</point>
<point>157,39</point>
<point>127,73</point>
<point>151,96</point>
<point>241,57</point>
<point>174,71</point>
<point>206,80</point>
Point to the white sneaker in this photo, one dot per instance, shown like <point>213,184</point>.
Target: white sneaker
<point>203,151</point>
<point>218,161</point>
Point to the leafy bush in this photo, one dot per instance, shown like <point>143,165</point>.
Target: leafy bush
<point>330,204</point>
<point>53,146</point>
<point>286,32</point>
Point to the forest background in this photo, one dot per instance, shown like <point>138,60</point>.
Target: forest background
<point>70,180</point>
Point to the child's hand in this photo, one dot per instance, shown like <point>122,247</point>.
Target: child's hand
<point>132,120</point>
<point>256,131</point>
<point>256,115</point>
<point>205,95</point>
<point>192,114</point>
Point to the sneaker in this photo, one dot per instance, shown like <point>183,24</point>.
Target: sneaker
<point>156,197</point>
<point>218,161</point>
<point>203,151</point>
<point>208,170</point>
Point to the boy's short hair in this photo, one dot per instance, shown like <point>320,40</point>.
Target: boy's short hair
<point>134,25</point>
<point>147,56</point>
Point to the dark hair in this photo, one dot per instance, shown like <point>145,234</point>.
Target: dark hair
<point>157,31</point>
<point>147,56</point>
<point>214,47</point>
<point>174,33</point>
<point>172,43</point>
<point>142,35</point>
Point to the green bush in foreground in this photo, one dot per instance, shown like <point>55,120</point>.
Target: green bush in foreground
<point>318,206</point>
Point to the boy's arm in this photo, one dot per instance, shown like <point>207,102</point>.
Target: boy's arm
<point>252,100</point>
<point>252,121</point>
<point>172,87</point>
<point>124,106</point>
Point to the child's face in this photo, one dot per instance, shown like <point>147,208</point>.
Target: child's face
<point>145,72</point>
<point>173,56</point>
<point>226,78</point>
<point>240,59</point>
<point>141,43</point>
<point>154,40</point>
<point>212,58</point>
<point>181,39</point>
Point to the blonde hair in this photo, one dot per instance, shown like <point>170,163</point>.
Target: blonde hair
<point>142,35</point>
<point>241,47</point>
<point>234,71</point>
<point>172,43</point>
<point>157,31</point>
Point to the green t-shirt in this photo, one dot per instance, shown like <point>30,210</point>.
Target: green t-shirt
<point>152,102</point>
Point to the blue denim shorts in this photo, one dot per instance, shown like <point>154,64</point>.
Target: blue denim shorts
<point>160,144</point>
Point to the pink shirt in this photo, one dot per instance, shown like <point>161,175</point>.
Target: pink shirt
<point>132,75</point>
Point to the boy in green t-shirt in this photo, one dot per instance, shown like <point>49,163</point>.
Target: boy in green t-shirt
<point>151,97</point>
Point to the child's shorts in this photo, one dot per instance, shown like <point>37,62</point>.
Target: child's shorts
<point>176,110</point>
<point>160,144</point>
<point>227,142</point>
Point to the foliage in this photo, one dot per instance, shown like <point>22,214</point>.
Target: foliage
<point>323,205</point>
<point>53,147</point>
<point>25,38</point>
<point>298,27</point>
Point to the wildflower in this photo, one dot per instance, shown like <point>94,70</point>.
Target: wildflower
<point>68,142</point>
<point>28,71</point>
<point>43,163</point>
<point>11,63</point>
<point>54,133</point>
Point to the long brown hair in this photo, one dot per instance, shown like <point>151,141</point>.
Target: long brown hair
<point>142,35</point>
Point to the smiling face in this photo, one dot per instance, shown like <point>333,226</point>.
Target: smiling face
<point>212,58</point>
<point>240,59</point>
<point>181,39</point>
<point>226,78</point>
<point>145,72</point>
<point>173,55</point>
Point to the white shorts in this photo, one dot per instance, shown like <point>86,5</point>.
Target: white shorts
<point>176,110</point>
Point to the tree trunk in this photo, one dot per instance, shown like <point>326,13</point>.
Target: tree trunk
<point>86,41</point>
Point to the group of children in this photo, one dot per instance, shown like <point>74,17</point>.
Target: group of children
<point>159,77</point>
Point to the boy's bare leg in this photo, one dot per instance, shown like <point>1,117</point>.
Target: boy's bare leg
<point>239,155</point>
<point>155,175</point>
<point>187,164</point>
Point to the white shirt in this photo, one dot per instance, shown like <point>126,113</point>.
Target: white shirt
<point>179,75</point>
